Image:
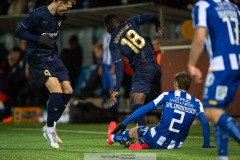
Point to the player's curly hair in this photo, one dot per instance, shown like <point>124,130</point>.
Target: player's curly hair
<point>183,80</point>
<point>110,22</point>
<point>108,19</point>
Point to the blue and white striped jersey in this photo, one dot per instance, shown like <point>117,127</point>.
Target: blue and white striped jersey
<point>221,19</point>
<point>179,112</point>
<point>107,58</point>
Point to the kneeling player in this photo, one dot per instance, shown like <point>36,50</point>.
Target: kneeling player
<point>179,112</point>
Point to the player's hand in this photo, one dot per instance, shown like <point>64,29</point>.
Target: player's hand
<point>114,97</point>
<point>47,41</point>
<point>195,73</point>
<point>121,127</point>
<point>159,29</point>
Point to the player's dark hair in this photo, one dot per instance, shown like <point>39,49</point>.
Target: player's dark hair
<point>109,21</point>
<point>183,80</point>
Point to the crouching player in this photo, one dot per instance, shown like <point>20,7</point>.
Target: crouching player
<point>179,112</point>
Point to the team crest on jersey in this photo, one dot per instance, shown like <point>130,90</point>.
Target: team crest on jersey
<point>60,23</point>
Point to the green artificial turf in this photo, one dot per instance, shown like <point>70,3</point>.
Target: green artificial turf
<point>25,142</point>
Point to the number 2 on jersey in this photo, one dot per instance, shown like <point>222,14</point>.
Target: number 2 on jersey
<point>134,41</point>
<point>176,121</point>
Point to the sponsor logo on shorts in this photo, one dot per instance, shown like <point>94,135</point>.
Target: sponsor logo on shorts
<point>209,79</point>
<point>221,92</point>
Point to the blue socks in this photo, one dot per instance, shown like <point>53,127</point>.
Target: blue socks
<point>229,125</point>
<point>221,139</point>
<point>140,120</point>
<point>119,137</point>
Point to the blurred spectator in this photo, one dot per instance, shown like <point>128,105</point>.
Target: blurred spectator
<point>3,53</point>
<point>156,43</point>
<point>127,78</point>
<point>3,57</point>
<point>72,58</point>
<point>31,95</point>
<point>94,80</point>
<point>108,77</point>
<point>13,7</point>
<point>23,6</point>
<point>14,81</point>
<point>4,5</point>
<point>98,54</point>
<point>18,7</point>
<point>23,45</point>
<point>17,87</point>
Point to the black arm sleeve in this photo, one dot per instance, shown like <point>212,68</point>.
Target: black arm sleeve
<point>119,75</point>
<point>21,33</point>
<point>141,19</point>
<point>155,20</point>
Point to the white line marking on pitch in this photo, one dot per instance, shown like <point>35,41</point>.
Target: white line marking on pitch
<point>83,132</point>
<point>66,131</point>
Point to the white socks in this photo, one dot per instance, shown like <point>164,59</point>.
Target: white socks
<point>50,129</point>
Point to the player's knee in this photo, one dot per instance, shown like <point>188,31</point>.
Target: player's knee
<point>133,132</point>
<point>55,89</point>
<point>68,90</point>
<point>138,98</point>
<point>213,114</point>
<point>207,113</point>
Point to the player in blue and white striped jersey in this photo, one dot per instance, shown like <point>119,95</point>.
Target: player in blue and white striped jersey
<point>179,112</point>
<point>216,23</point>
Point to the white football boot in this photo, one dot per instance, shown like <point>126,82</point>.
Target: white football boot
<point>44,129</point>
<point>58,138</point>
<point>51,138</point>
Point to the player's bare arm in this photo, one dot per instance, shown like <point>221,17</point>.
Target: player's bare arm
<point>195,52</point>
